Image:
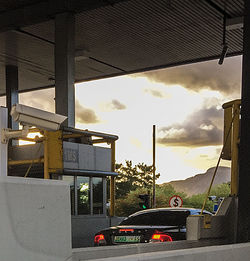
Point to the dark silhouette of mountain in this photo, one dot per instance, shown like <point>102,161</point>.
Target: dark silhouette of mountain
<point>199,183</point>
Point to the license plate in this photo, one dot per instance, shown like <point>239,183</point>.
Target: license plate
<point>127,239</point>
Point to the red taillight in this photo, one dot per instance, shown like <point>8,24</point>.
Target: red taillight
<point>126,230</point>
<point>161,238</point>
<point>100,239</point>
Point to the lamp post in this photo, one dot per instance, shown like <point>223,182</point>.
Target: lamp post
<point>153,198</point>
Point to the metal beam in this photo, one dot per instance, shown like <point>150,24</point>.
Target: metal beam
<point>11,75</point>
<point>243,229</point>
<point>46,10</point>
<point>65,66</point>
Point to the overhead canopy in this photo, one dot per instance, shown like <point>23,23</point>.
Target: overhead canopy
<point>115,37</point>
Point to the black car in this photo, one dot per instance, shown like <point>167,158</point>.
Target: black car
<point>151,225</point>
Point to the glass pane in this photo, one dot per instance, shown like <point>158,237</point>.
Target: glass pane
<point>83,195</point>
<point>169,218</point>
<point>158,218</point>
<point>70,180</point>
<point>141,219</point>
<point>97,195</point>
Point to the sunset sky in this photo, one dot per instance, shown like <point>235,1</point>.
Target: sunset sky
<point>185,104</point>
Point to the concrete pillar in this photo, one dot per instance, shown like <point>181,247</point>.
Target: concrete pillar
<point>11,73</point>
<point>243,229</point>
<point>65,66</point>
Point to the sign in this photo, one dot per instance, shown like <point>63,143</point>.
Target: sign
<point>70,155</point>
<point>175,201</point>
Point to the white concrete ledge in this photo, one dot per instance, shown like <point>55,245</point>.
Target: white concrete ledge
<point>236,252</point>
<point>91,253</point>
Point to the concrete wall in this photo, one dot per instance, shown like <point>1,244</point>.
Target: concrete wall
<point>85,227</point>
<point>35,220</point>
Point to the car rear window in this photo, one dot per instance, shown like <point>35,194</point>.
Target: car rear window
<point>158,218</point>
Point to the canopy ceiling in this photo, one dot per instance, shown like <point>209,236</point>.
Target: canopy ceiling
<point>114,37</point>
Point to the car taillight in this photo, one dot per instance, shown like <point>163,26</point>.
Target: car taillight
<point>100,240</point>
<point>126,230</point>
<point>158,237</point>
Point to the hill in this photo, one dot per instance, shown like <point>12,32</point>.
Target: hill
<point>199,183</point>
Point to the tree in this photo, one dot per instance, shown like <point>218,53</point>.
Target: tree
<point>164,193</point>
<point>131,202</point>
<point>196,201</point>
<point>132,177</point>
<point>221,190</point>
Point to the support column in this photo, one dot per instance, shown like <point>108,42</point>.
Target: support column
<point>11,74</point>
<point>112,181</point>
<point>243,228</point>
<point>65,66</point>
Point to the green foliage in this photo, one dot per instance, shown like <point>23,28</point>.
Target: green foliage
<point>130,203</point>
<point>138,179</point>
<point>132,177</point>
<point>196,201</point>
<point>164,193</point>
<point>222,190</point>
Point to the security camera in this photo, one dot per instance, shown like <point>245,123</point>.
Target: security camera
<point>29,116</point>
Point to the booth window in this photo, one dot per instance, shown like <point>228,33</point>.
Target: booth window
<point>87,194</point>
<point>83,195</point>
<point>97,196</point>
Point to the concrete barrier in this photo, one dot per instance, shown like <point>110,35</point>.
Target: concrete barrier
<point>35,220</point>
<point>236,252</point>
<point>133,249</point>
<point>221,225</point>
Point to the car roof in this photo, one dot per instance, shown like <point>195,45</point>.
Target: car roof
<point>192,210</point>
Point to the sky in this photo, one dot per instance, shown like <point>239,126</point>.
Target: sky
<point>184,102</point>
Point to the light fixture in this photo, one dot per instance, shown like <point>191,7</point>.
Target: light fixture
<point>81,54</point>
<point>224,44</point>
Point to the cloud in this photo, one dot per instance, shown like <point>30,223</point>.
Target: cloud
<point>44,100</point>
<point>85,115</point>
<point>41,99</point>
<point>113,105</point>
<point>116,105</point>
<point>206,75</point>
<point>155,93</point>
<point>202,128</point>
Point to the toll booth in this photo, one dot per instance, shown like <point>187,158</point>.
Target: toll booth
<point>83,158</point>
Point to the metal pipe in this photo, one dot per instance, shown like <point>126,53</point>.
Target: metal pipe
<point>90,133</point>
<point>69,136</point>
<point>75,135</point>
<point>99,141</point>
<point>235,150</point>
<point>112,181</point>
<point>96,173</point>
<point>154,199</point>
<point>231,103</point>
<point>24,162</point>
<point>46,156</point>
<point>31,139</point>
